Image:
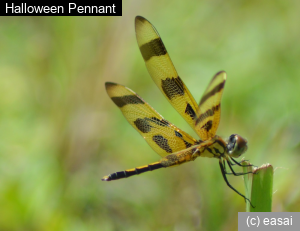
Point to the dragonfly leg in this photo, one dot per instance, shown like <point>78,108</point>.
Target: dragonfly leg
<point>228,184</point>
<point>233,172</point>
<point>239,163</point>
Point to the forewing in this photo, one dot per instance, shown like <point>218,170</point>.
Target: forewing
<point>164,137</point>
<point>163,72</point>
<point>208,115</point>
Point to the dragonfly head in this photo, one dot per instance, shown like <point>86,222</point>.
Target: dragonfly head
<point>236,146</point>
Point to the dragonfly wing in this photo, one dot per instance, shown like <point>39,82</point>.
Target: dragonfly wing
<point>209,112</point>
<point>163,72</point>
<point>163,136</point>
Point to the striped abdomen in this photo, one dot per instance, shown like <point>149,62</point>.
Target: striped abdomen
<point>133,171</point>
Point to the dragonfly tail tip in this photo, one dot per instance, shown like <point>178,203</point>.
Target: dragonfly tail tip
<point>106,178</point>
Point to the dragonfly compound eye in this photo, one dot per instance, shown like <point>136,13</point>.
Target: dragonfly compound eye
<point>236,146</point>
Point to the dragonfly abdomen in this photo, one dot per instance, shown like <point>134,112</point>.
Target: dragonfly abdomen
<point>133,171</point>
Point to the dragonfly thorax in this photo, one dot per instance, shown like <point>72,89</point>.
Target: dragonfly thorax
<point>236,146</point>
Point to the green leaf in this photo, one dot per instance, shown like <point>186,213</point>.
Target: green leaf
<point>259,188</point>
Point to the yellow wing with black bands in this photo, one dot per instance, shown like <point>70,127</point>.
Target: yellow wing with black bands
<point>209,111</point>
<point>163,72</point>
<point>164,137</point>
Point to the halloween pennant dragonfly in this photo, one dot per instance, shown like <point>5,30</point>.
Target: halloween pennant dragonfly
<point>171,143</point>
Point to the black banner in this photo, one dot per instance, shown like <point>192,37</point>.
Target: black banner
<point>92,8</point>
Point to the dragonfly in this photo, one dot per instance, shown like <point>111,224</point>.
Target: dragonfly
<point>173,144</point>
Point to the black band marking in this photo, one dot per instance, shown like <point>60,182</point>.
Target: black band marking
<point>153,48</point>
<point>190,111</point>
<point>159,122</point>
<point>143,125</point>
<point>172,87</point>
<point>216,89</point>
<point>208,149</point>
<point>162,143</point>
<point>178,134</point>
<point>217,151</point>
<point>187,144</point>
<point>207,126</point>
<point>127,99</point>
<point>208,113</point>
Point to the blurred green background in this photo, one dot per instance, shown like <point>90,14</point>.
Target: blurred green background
<point>60,133</point>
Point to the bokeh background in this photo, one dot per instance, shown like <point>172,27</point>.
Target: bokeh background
<point>60,133</point>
